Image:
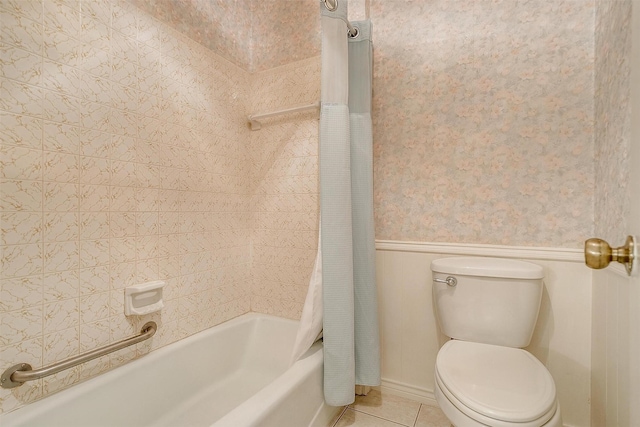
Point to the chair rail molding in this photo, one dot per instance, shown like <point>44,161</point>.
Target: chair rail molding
<point>522,252</point>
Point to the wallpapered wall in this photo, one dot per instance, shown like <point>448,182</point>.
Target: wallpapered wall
<point>612,119</point>
<point>483,112</point>
<point>483,121</point>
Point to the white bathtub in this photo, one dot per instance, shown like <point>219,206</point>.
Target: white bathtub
<point>235,374</point>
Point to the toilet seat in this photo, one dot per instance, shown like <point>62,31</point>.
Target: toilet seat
<point>496,385</point>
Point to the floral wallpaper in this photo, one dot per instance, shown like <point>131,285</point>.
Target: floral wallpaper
<point>612,118</point>
<point>483,110</point>
<point>483,121</point>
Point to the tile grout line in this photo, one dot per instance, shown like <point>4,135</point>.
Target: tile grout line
<point>341,414</point>
<point>382,418</point>
<point>415,421</point>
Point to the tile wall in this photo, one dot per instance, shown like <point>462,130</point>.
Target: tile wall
<point>222,26</point>
<point>283,56</point>
<point>123,160</point>
<point>284,32</point>
<point>256,35</point>
<point>284,175</point>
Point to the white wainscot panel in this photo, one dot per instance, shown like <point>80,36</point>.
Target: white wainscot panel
<point>616,349</point>
<point>411,338</point>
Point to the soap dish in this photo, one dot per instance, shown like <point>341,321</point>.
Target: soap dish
<point>144,298</point>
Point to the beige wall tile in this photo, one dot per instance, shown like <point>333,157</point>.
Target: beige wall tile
<point>20,227</point>
<point>22,131</point>
<point>61,286</point>
<point>18,64</point>
<point>21,325</point>
<point>19,293</point>
<point>82,214</point>
<point>22,260</point>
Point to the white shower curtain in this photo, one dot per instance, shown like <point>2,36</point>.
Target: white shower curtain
<point>345,265</point>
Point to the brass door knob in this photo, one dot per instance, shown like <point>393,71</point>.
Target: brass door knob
<point>598,253</point>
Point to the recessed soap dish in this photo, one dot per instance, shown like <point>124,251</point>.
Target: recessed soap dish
<point>144,298</point>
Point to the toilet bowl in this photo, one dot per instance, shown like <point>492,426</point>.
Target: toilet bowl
<point>486,385</point>
<point>483,377</point>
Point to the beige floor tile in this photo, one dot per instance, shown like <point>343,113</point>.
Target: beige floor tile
<point>431,416</point>
<point>360,419</point>
<point>336,417</point>
<point>387,406</point>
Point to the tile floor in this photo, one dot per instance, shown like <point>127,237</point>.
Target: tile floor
<point>385,410</point>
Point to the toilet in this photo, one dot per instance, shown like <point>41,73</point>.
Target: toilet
<point>483,377</point>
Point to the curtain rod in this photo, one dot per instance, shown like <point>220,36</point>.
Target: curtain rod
<point>254,119</point>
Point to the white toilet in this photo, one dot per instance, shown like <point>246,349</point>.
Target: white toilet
<point>489,307</point>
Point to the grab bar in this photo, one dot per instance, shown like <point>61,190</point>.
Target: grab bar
<point>18,374</point>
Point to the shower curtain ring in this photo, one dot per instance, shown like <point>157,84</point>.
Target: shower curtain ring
<point>353,33</point>
<point>331,5</point>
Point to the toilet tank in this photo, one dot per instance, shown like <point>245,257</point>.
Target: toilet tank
<point>495,301</point>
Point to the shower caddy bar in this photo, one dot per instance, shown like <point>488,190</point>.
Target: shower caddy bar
<point>18,374</point>
<point>254,119</point>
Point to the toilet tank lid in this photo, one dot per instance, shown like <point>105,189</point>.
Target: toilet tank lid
<point>488,267</point>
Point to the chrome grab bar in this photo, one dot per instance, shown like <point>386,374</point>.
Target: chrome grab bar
<point>18,374</point>
<point>450,281</point>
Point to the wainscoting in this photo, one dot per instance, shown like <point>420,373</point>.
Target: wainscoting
<point>616,350</point>
<point>411,338</point>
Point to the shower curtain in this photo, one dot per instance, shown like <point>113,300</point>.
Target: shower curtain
<point>343,281</point>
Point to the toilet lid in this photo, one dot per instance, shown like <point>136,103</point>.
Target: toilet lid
<point>503,383</point>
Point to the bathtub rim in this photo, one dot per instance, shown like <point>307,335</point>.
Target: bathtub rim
<point>65,395</point>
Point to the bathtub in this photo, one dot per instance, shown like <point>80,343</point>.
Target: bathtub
<point>233,375</point>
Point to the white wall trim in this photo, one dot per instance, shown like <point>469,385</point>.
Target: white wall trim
<point>618,269</point>
<point>525,252</point>
<point>408,391</point>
